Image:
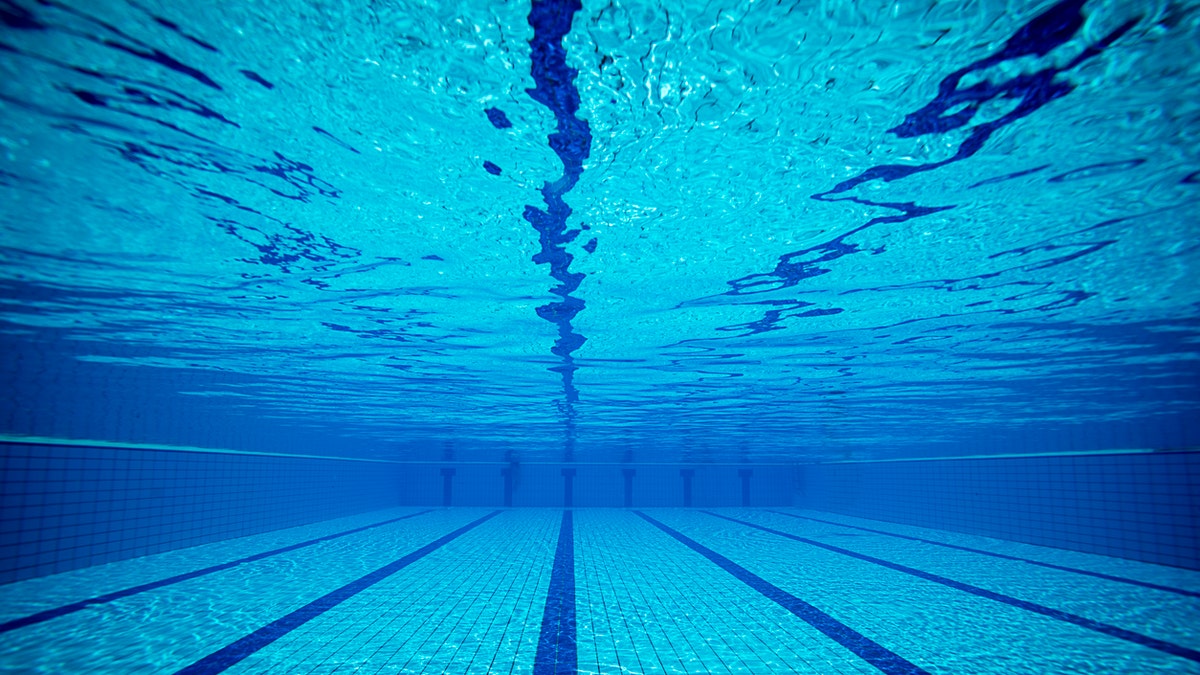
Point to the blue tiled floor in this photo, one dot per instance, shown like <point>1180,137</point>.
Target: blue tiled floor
<point>643,600</point>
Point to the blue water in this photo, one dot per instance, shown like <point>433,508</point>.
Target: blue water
<point>871,326</point>
<point>561,232</point>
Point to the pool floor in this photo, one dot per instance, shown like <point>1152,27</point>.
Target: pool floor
<point>467,590</point>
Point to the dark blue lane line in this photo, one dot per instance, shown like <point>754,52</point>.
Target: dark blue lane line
<point>556,652</point>
<point>1098,575</point>
<point>870,651</point>
<point>230,655</point>
<point>1083,622</point>
<point>134,590</point>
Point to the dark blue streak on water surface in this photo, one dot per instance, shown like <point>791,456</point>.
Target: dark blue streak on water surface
<point>772,318</point>
<point>1050,252</point>
<point>1040,36</point>
<point>140,97</point>
<point>1072,244</point>
<point>336,140</point>
<point>17,17</point>
<point>799,265</point>
<point>491,168</point>
<point>255,77</point>
<point>497,117</point>
<point>185,163</point>
<point>115,39</point>
<point>128,90</point>
<point>1008,176</point>
<point>171,25</point>
<point>1032,91</point>
<point>1094,170</point>
<point>551,21</point>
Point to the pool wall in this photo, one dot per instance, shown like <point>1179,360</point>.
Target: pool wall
<point>1141,506</point>
<point>63,508</point>
<point>68,507</point>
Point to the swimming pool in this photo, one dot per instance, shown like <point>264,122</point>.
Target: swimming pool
<point>635,336</point>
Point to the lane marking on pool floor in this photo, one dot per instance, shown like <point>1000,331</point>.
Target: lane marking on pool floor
<point>73,607</point>
<point>870,651</point>
<point>1063,568</point>
<point>231,654</point>
<point>1083,622</point>
<point>556,652</point>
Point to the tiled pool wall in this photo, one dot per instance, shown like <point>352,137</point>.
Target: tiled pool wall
<point>67,507</point>
<point>1143,506</point>
<point>64,508</point>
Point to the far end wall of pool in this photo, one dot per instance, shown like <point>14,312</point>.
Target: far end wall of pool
<point>68,507</point>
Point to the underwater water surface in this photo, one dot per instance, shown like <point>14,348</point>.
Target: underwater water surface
<point>746,232</point>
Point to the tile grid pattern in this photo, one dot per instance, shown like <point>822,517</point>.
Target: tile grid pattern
<point>1058,589</point>
<point>1138,506</point>
<point>65,508</point>
<point>639,611</point>
<point>1148,572</point>
<point>181,578</point>
<point>440,615</point>
<point>842,527</point>
<point>930,624</point>
<point>52,592</point>
<point>231,654</point>
<point>1088,623</point>
<point>646,603</point>
<point>171,627</point>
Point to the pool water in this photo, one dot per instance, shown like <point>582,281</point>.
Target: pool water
<point>600,336</point>
<point>717,233</point>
